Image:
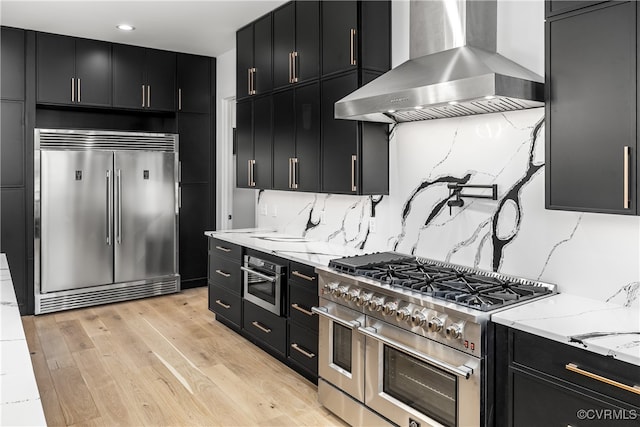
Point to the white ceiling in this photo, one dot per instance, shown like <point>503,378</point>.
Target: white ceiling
<point>205,27</point>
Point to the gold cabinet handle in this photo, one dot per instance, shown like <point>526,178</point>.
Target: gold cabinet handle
<point>223,305</point>
<point>179,99</point>
<point>73,89</point>
<point>625,189</point>
<point>353,172</point>
<point>574,368</point>
<point>262,328</point>
<point>253,81</point>
<point>290,165</point>
<point>142,96</point>
<point>223,249</point>
<point>222,273</point>
<point>290,68</point>
<point>301,350</point>
<point>297,307</point>
<point>248,81</point>
<point>79,89</point>
<point>148,96</point>
<point>302,276</point>
<point>294,174</point>
<point>294,59</point>
<point>253,174</point>
<point>353,46</point>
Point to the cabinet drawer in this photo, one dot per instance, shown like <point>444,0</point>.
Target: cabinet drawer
<point>265,326</point>
<point>225,249</point>
<point>303,347</point>
<point>304,275</point>
<point>224,303</point>
<point>225,272</point>
<point>552,358</point>
<point>301,299</point>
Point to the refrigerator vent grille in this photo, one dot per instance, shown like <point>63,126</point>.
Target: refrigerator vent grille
<point>49,303</point>
<point>58,139</point>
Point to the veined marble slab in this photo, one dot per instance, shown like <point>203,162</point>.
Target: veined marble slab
<point>597,326</point>
<point>19,396</point>
<point>294,248</point>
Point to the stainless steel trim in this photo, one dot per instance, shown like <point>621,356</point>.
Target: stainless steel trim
<point>148,96</point>
<point>303,310</point>
<point>119,198</point>
<point>302,351</point>
<point>324,312</point>
<point>73,89</point>
<point>79,90</point>
<point>625,185</point>
<point>109,207</point>
<point>353,48</point>
<point>302,276</point>
<point>574,368</point>
<point>461,371</point>
<point>294,59</point>
<point>179,99</point>
<point>220,303</point>
<point>257,273</point>
<point>64,139</point>
<point>347,408</point>
<point>353,172</point>
<point>223,249</point>
<point>262,328</point>
<point>142,96</point>
<point>222,273</point>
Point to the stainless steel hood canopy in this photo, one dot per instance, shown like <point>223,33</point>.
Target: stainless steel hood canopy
<point>454,70</point>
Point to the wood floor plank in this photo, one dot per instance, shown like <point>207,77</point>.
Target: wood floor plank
<point>52,342</point>
<point>75,400</point>
<point>75,335</point>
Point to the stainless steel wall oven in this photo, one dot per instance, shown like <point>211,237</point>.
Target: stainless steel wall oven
<point>263,283</point>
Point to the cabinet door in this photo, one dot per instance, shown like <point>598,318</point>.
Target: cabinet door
<point>307,112</point>
<point>161,80</point>
<point>194,83</point>
<point>244,60</point>
<point>556,7</point>
<point>56,68</point>
<point>591,109</point>
<point>244,142</point>
<point>195,146</point>
<point>339,138</point>
<point>262,145</point>
<point>375,35</point>
<point>12,63</point>
<point>194,220</point>
<point>93,71</point>
<point>262,55</point>
<point>128,76</point>
<point>284,142</point>
<point>283,44</point>
<point>307,61</point>
<point>12,144</point>
<point>339,45</point>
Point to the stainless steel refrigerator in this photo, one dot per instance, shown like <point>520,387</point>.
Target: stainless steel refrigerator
<point>106,217</point>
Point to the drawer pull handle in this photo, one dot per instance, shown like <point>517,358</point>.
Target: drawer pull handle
<point>221,304</point>
<point>574,368</point>
<point>307,312</point>
<point>625,188</point>
<point>262,328</point>
<point>302,276</point>
<point>303,351</point>
<point>222,273</point>
<point>223,249</point>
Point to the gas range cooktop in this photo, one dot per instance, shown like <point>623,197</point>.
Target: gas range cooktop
<point>464,286</point>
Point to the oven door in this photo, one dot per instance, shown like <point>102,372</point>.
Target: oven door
<point>412,378</point>
<point>263,288</point>
<point>341,348</point>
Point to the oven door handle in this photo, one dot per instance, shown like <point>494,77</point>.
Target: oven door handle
<point>460,371</point>
<point>260,275</point>
<point>324,312</point>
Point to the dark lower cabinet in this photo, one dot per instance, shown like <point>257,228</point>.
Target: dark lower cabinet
<point>226,305</point>
<point>225,283</point>
<point>591,109</point>
<point>265,327</point>
<point>539,385</point>
<point>195,219</point>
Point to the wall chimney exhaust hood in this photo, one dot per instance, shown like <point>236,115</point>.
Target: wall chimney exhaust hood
<point>454,70</point>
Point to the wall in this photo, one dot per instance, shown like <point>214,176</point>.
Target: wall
<point>593,255</point>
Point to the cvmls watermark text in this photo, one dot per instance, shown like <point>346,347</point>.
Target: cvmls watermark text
<point>607,414</point>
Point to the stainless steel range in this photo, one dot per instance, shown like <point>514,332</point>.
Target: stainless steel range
<point>409,340</point>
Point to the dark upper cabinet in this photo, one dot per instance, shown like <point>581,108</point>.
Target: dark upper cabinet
<point>12,63</point>
<point>556,7</point>
<point>254,58</point>
<point>12,144</point>
<point>355,155</point>
<point>253,143</point>
<point>244,143</point>
<point>296,43</point>
<point>284,139</point>
<point>591,112</point>
<point>195,147</point>
<point>144,78</point>
<point>73,71</point>
<point>194,81</point>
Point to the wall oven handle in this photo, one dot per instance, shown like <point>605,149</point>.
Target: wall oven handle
<point>574,368</point>
<point>260,275</point>
<point>461,371</point>
<point>324,312</point>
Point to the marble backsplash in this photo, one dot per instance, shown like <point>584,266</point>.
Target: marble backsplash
<point>592,255</point>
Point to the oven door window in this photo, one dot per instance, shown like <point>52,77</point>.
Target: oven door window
<point>342,346</point>
<point>423,387</point>
<point>261,288</point>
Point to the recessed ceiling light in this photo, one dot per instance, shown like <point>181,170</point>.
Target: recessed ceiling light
<point>453,102</point>
<point>489,97</point>
<point>391,111</point>
<point>126,27</point>
<point>418,107</point>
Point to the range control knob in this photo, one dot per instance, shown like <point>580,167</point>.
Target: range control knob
<point>403,314</point>
<point>435,324</point>
<point>364,299</point>
<point>352,295</point>
<point>389,308</point>
<point>375,304</point>
<point>454,331</point>
<point>418,318</point>
<point>329,288</point>
<point>339,291</point>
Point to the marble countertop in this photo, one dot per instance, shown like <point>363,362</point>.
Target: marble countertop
<point>294,248</point>
<point>20,399</point>
<point>603,328</point>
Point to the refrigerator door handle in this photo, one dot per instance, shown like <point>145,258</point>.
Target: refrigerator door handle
<point>119,217</point>
<point>109,208</point>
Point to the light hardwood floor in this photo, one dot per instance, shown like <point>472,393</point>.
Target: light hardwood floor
<point>162,361</point>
